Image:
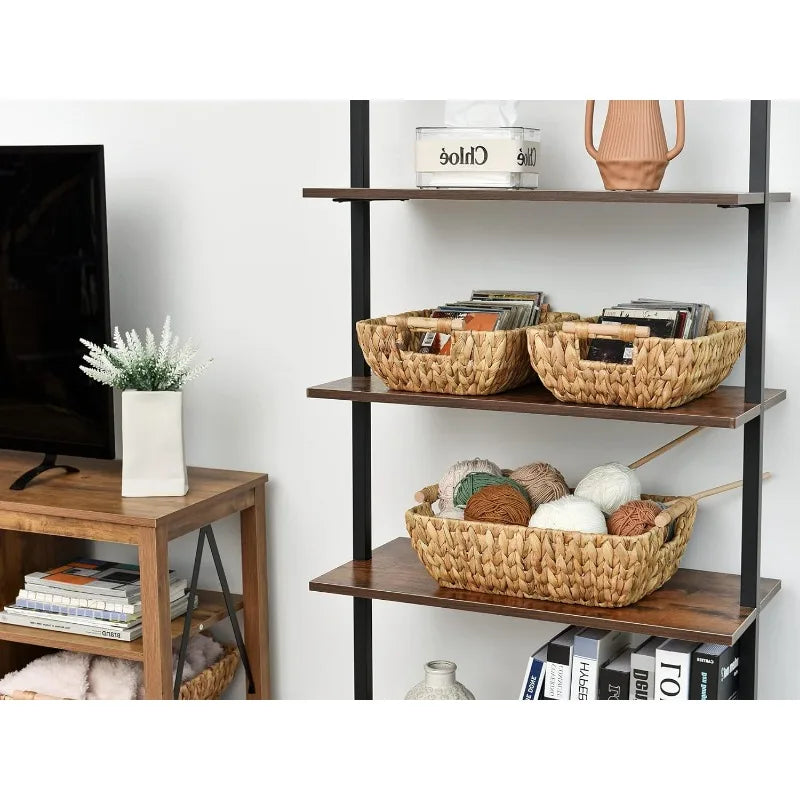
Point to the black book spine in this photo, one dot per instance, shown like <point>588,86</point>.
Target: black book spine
<point>704,682</point>
<point>613,684</point>
<point>729,674</point>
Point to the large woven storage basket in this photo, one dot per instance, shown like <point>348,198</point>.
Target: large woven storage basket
<point>210,684</point>
<point>543,564</point>
<point>479,363</point>
<point>665,372</point>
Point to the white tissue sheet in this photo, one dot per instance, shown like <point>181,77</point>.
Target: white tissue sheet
<point>481,113</point>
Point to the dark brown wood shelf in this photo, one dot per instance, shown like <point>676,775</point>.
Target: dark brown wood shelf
<point>550,195</point>
<point>695,605</point>
<point>723,408</point>
<point>209,611</point>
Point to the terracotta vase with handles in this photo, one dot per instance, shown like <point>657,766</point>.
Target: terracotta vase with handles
<point>633,150</point>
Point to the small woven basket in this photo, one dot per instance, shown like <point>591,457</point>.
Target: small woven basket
<point>665,372</point>
<point>479,362</point>
<point>543,564</point>
<point>210,684</point>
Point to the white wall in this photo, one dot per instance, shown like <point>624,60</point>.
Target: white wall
<point>206,222</point>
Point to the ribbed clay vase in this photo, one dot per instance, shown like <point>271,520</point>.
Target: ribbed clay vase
<point>633,150</point>
<point>440,684</point>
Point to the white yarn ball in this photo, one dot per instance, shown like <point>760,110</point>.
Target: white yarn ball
<point>610,486</point>
<point>570,513</point>
<point>459,471</point>
<point>451,513</point>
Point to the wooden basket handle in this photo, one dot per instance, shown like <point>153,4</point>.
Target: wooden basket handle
<point>668,446</point>
<point>439,324</point>
<point>672,512</point>
<point>681,504</point>
<point>20,694</point>
<point>613,330</point>
<point>588,130</point>
<point>680,130</point>
<point>429,494</point>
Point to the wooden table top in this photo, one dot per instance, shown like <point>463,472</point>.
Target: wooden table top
<point>93,494</point>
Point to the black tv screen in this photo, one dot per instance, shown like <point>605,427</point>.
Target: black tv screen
<point>53,291</point>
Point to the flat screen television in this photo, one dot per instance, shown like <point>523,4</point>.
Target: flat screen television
<point>53,291</point>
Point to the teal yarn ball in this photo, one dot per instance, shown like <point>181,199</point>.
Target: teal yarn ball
<point>476,481</point>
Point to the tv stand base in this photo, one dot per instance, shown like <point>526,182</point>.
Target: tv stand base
<point>48,462</point>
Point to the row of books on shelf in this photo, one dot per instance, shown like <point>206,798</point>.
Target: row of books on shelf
<point>589,664</point>
<point>90,598</point>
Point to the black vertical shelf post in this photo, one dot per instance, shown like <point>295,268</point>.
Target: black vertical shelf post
<point>361,421</point>
<point>758,219</point>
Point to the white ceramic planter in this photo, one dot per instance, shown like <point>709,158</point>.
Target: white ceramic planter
<point>153,463</point>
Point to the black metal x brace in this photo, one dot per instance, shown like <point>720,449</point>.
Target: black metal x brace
<point>207,532</point>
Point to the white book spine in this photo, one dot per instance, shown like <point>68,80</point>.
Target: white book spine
<point>70,627</point>
<point>557,681</point>
<point>672,675</point>
<point>585,673</point>
<point>642,677</point>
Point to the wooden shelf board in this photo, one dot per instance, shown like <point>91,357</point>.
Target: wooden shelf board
<point>549,195</point>
<point>695,605</point>
<point>94,495</point>
<point>723,408</point>
<point>210,610</point>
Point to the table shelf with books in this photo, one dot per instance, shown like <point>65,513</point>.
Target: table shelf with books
<point>209,611</point>
<point>50,522</point>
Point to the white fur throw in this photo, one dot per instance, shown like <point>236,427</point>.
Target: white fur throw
<point>77,676</point>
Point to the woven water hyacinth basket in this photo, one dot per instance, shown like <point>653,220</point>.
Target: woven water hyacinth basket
<point>210,684</point>
<point>542,564</point>
<point>479,362</point>
<point>665,372</point>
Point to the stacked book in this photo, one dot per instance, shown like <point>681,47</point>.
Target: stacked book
<point>588,664</point>
<point>89,597</point>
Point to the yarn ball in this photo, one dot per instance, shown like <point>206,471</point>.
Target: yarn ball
<point>501,503</point>
<point>451,513</point>
<point>476,481</point>
<point>634,518</point>
<point>543,482</point>
<point>610,486</point>
<point>454,475</point>
<point>570,513</point>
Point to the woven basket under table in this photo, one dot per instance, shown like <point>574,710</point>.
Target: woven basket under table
<point>210,684</point>
<point>665,372</point>
<point>543,564</point>
<point>479,363</point>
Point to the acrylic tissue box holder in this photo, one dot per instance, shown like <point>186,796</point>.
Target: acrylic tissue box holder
<point>502,158</point>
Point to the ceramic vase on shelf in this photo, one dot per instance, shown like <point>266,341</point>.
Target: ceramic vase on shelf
<point>153,463</point>
<point>440,684</point>
<point>633,150</point>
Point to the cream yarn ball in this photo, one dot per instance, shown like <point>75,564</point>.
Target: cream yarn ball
<point>569,513</point>
<point>451,513</point>
<point>610,486</point>
<point>454,475</point>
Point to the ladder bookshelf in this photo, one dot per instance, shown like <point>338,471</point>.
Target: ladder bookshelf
<point>695,605</point>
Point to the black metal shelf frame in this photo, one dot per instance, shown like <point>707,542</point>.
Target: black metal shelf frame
<point>758,216</point>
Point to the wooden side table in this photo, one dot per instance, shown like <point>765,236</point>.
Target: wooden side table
<point>47,523</point>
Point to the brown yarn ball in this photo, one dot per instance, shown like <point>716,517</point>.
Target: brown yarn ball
<point>543,482</point>
<point>633,518</point>
<point>501,503</point>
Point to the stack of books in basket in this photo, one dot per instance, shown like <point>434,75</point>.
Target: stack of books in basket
<point>90,598</point>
